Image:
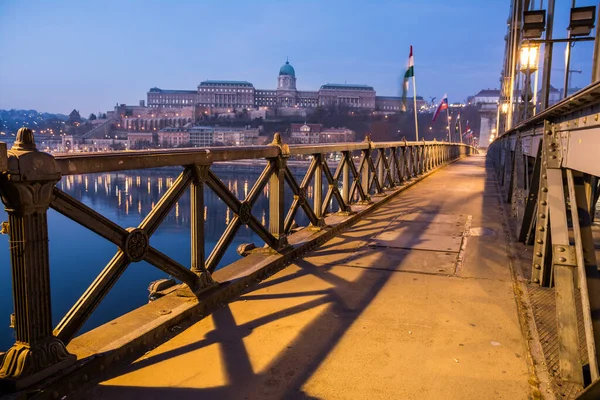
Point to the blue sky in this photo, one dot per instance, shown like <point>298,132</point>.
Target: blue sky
<point>59,55</point>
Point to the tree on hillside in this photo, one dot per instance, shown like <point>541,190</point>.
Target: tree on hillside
<point>92,117</point>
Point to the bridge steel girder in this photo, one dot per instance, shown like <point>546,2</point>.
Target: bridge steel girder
<point>565,142</point>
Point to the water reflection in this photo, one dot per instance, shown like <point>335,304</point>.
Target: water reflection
<point>77,255</point>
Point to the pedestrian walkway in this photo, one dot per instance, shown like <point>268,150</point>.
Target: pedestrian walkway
<point>414,302</point>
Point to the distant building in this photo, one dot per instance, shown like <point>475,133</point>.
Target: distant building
<point>143,119</point>
<point>486,101</point>
<point>171,98</point>
<point>230,95</point>
<point>221,96</point>
<point>486,96</point>
<point>315,133</point>
<point>337,135</point>
<point>554,96</point>
<point>236,136</point>
<point>173,137</point>
<point>74,118</point>
<point>202,136</point>
<point>393,104</point>
<point>138,140</point>
<point>354,96</point>
<point>305,133</point>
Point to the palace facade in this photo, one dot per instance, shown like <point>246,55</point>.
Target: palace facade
<point>226,96</point>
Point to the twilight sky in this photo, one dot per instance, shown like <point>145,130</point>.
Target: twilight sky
<point>63,54</point>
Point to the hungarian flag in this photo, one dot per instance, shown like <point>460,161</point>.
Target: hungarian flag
<point>410,72</point>
<point>468,131</point>
<point>443,106</point>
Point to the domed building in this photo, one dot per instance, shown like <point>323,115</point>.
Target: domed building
<point>227,96</point>
<point>286,86</point>
<point>287,77</point>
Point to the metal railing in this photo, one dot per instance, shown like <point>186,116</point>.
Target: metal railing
<point>548,168</point>
<point>28,188</point>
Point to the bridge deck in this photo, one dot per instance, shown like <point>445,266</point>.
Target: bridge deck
<point>400,306</point>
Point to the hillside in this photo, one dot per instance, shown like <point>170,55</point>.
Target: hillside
<point>42,122</point>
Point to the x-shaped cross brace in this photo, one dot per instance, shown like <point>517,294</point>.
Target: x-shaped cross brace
<point>133,243</point>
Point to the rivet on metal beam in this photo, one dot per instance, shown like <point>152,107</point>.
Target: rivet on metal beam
<point>544,201</point>
<point>541,229</point>
<point>553,157</point>
<point>545,176</point>
<point>585,120</point>
<point>538,254</point>
<point>561,249</point>
<point>544,189</point>
<point>540,241</point>
<point>542,215</point>
<point>562,259</point>
<point>548,132</point>
<point>536,280</point>
<point>596,117</point>
<point>537,266</point>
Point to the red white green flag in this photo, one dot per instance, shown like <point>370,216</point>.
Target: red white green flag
<point>410,72</point>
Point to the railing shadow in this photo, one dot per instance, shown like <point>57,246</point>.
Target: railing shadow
<point>345,301</point>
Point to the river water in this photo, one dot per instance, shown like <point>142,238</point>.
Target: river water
<point>77,255</point>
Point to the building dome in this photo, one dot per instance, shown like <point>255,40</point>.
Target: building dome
<point>287,69</point>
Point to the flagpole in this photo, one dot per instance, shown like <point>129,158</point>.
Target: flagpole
<point>448,118</point>
<point>460,128</point>
<point>415,107</point>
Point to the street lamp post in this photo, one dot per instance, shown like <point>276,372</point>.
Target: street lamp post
<point>529,64</point>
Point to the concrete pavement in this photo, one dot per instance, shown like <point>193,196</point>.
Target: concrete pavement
<point>414,302</point>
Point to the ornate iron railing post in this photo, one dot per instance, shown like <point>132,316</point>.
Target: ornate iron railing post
<point>366,172</point>
<point>393,171</point>
<point>276,193</point>
<point>346,159</point>
<point>26,189</point>
<point>381,167</point>
<point>197,227</point>
<point>318,188</point>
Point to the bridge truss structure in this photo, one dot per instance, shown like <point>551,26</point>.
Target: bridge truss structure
<point>548,168</point>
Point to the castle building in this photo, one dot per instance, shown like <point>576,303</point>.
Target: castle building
<point>227,96</point>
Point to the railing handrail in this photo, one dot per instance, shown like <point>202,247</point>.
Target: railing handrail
<point>75,164</point>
